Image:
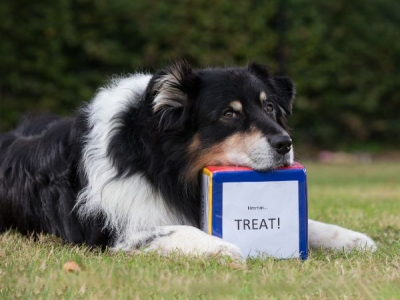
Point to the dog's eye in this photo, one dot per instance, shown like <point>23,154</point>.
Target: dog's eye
<point>269,107</point>
<point>229,114</point>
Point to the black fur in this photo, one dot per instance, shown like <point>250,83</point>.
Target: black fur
<point>39,180</point>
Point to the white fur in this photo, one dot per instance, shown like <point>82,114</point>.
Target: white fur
<point>263,156</point>
<point>334,237</point>
<point>130,204</point>
<point>185,240</point>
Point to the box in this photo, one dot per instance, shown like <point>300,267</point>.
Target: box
<point>264,213</point>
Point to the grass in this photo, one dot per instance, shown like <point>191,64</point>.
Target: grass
<point>362,197</point>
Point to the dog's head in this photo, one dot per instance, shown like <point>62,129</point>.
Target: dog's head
<point>232,116</point>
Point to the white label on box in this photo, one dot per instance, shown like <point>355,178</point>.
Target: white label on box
<point>262,217</point>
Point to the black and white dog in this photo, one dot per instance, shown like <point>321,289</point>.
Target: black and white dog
<point>124,171</point>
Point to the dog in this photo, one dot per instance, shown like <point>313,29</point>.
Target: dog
<point>123,172</point>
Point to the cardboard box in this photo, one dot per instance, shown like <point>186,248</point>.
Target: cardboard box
<point>264,213</point>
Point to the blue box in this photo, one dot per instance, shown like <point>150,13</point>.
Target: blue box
<point>264,213</point>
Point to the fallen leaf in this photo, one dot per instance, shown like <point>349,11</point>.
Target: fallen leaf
<point>71,266</point>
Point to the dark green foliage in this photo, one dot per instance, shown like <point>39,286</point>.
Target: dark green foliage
<point>343,55</point>
<point>345,58</point>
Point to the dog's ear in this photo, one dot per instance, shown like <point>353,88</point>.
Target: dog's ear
<point>285,91</point>
<point>282,86</point>
<point>173,86</point>
<point>259,70</point>
<point>172,91</point>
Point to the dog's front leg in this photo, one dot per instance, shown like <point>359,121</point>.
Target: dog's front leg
<point>327,236</point>
<point>186,240</point>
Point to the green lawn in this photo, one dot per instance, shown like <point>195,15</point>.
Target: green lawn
<point>365,198</point>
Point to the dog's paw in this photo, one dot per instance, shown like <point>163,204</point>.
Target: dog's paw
<point>191,241</point>
<point>334,237</point>
<point>358,241</point>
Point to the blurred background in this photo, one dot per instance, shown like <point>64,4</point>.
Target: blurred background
<point>343,55</point>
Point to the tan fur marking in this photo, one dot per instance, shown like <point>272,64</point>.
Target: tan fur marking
<point>237,105</point>
<point>263,97</point>
<point>241,143</point>
<point>195,144</point>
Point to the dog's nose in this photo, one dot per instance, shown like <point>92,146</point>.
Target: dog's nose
<point>281,143</point>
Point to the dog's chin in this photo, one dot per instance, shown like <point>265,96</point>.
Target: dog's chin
<point>263,164</point>
<point>272,167</point>
<point>276,163</point>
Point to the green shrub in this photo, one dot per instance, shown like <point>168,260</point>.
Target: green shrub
<point>342,55</point>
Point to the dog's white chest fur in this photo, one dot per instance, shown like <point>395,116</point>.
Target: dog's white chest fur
<point>128,204</point>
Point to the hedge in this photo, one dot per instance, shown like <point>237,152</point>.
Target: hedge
<point>343,55</point>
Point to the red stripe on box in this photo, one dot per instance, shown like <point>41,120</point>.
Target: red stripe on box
<point>214,169</point>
